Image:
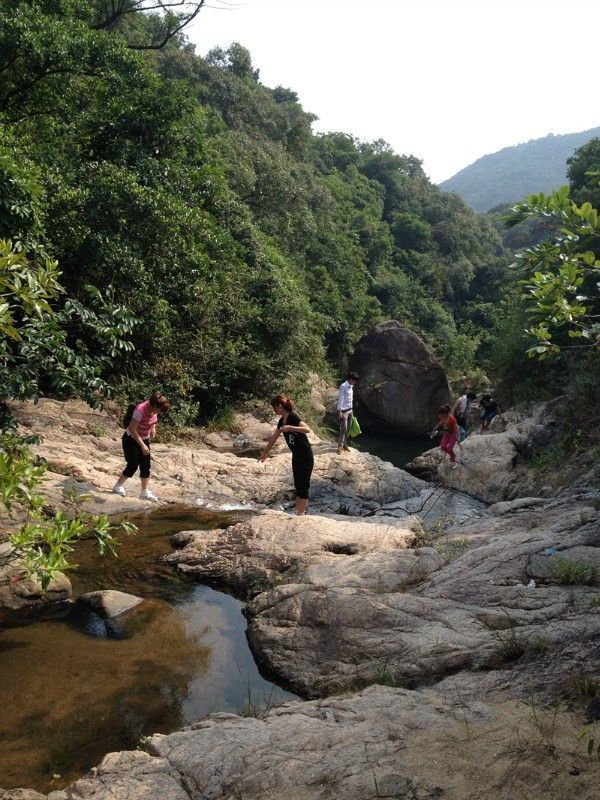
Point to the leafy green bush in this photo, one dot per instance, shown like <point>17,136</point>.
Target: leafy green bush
<point>44,544</point>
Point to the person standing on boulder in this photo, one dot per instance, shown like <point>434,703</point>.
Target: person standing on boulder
<point>136,443</point>
<point>294,432</point>
<point>344,409</point>
<point>450,430</point>
<point>460,409</point>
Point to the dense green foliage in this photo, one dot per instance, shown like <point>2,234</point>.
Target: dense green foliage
<point>248,249</point>
<point>516,172</point>
<point>562,275</point>
<point>36,350</point>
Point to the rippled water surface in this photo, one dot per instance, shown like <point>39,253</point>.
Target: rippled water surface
<point>72,690</point>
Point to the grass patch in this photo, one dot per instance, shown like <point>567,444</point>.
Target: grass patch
<point>570,573</point>
<point>550,457</point>
<point>585,688</point>
<point>453,548</point>
<point>387,675</point>
<point>510,645</point>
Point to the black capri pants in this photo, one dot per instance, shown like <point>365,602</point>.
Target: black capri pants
<point>134,457</point>
<point>302,467</point>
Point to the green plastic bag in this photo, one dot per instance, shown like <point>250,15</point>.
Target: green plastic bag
<point>354,427</point>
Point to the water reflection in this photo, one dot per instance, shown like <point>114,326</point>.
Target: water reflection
<point>68,697</point>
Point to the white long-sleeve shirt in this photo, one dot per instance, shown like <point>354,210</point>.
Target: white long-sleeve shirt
<point>345,397</point>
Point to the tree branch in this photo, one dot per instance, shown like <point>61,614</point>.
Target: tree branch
<point>188,11</point>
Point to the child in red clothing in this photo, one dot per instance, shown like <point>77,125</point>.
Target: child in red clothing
<point>449,426</point>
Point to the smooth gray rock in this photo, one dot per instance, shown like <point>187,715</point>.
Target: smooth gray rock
<point>255,554</point>
<point>508,506</point>
<point>129,775</point>
<point>488,464</point>
<point>435,506</point>
<point>109,602</point>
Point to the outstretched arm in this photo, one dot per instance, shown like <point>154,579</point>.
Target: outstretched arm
<point>270,443</point>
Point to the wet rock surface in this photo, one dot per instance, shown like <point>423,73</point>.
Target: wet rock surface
<point>109,602</point>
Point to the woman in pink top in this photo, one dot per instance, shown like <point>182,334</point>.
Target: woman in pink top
<point>449,427</point>
<point>136,443</point>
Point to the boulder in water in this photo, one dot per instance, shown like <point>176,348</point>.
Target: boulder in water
<point>110,603</point>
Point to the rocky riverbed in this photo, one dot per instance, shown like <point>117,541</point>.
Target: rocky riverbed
<point>448,648</point>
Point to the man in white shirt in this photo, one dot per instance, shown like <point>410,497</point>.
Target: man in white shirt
<point>344,409</point>
<point>460,411</point>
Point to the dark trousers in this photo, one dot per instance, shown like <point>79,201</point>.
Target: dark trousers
<point>302,467</point>
<point>461,421</point>
<point>134,457</point>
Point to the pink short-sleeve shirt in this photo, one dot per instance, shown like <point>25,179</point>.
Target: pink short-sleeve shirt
<point>145,417</point>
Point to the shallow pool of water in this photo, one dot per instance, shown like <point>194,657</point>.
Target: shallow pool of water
<point>68,697</point>
<point>392,447</point>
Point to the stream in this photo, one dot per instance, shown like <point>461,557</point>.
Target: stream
<point>71,691</point>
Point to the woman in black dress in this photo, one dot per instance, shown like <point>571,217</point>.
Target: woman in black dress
<point>294,432</point>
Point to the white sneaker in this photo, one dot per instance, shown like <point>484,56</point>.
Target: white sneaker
<point>146,494</point>
<point>118,488</point>
<point>453,466</point>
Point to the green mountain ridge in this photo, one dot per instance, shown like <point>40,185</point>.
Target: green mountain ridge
<point>513,173</point>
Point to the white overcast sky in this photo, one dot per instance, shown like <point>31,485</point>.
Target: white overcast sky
<point>445,80</point>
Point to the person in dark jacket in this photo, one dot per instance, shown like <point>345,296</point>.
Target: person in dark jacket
<point>489,409</point>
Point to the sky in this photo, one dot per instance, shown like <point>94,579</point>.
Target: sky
<point>445,80</point>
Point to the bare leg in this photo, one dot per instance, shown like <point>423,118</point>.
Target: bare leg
<point>301,504</point>
<point>144,482</point>
<point>121,480</point>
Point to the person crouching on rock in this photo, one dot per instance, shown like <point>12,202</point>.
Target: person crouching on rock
<point>294,432</point>
<point>489,409</point>
<point>450,430</point>
<point>136,443</point>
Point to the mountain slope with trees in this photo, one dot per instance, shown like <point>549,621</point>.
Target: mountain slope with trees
<point>513,173</point>
<point>247,249</point>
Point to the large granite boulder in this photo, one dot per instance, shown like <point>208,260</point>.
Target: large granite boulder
<point>401,387</point>
<point>336,604</point>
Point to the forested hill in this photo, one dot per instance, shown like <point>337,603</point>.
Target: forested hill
<point>514,173</point>
<point>246,249</point>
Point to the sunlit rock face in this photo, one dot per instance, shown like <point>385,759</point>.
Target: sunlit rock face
<point>400,387</point>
